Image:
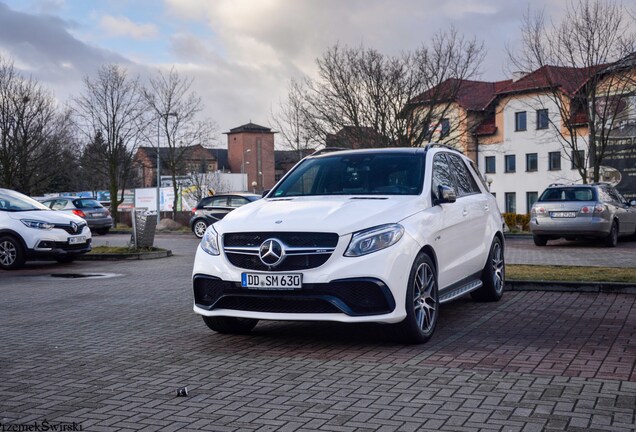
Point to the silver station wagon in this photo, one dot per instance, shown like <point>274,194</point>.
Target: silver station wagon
<point>580,211</point>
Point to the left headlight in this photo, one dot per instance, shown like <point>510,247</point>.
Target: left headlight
<point>37,224</point>
<point>374,239</point>
<point>210,241</point>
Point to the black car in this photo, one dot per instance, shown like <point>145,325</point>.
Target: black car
<point>214,208</point>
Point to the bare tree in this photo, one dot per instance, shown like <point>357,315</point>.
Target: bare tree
<point>585,61</point>
<point>112,107</point>
<point>30,127</point>
<point>375,95</point>
<point>292,124</point>
<point>176,108</point>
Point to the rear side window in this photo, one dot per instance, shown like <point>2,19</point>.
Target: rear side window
<point>568,194</point>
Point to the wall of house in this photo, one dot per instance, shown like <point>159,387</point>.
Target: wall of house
<point>507,141</point>
<point>253,162</point>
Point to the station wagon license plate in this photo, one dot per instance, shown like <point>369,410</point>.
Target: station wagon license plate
<point>77,240</point>
<point>279,281</point>
<point>563,214</point>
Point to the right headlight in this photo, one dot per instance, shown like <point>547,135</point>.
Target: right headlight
<point>374,239</point>
<point>210,241</point>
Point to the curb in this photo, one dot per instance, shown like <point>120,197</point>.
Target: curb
<point>125,256</point>
<point>561,286</point>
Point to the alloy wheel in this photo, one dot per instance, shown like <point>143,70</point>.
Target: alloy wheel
<point>8,253</point>
<point>498,267</point>
<point>425,298</point>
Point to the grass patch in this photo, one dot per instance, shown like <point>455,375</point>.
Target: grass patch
<point>122,250</point>
<point>570,273</point>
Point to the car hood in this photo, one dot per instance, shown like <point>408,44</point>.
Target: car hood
<point>339,214</point>
<point>50,216</point>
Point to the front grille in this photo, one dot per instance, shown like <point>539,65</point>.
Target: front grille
<point>354,297</point>
<point>69,229</point>
<point>242,249</point>
<point>293,239</point>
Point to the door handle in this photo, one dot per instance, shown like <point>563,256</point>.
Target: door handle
<point>465,212</point>
<point>486,207</point>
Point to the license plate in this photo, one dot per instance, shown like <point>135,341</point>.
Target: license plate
<point>77,240</point>
<point>563,214</point>
<point>278,281</point>
<point>97,214</point>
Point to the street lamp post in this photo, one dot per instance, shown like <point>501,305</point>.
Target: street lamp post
<point>243,168</point>
<point>166,115</point>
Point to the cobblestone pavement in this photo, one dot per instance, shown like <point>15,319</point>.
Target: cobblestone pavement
<point>110,353</point>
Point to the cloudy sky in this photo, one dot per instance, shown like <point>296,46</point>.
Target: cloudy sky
<point>241,53</point>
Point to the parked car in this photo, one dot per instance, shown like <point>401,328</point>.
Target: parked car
<point>30,230</point>
<point>214,208</point>
<point>96,215</point>
<point>374,235</point>
<point>581,211</point>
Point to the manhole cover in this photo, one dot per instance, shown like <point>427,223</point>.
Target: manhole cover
<point>84,275</point>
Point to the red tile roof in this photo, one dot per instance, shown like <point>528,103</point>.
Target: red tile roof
<point>569,79</point>
<point>471,95</point>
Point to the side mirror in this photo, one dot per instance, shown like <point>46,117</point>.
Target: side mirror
<point>445,195</point>
<point>632,203</point>
<point>265,192</point>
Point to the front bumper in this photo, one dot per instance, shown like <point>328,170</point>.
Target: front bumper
<point>370,288</point>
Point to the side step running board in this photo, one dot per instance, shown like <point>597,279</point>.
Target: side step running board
<point>460,291</point>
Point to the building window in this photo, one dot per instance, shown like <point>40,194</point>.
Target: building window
<point>578,159</point>
<point>445,128</point>
<point>542,119</point>
<point>511,202</point>
<point>531,198</point>
<point>520,121</point>
<point>531,162</point>
<point>511,163</point>
<point>490,165</point>
<point>554,161</point>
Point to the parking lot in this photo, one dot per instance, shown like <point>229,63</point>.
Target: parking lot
<point>109,353</point>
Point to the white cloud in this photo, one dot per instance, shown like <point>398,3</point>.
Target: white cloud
<point>121,26</point>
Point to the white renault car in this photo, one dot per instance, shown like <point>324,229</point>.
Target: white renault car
<point>30,230</point>
<point>378,235</point>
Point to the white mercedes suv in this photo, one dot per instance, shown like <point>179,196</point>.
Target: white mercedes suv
<point>378,235</point>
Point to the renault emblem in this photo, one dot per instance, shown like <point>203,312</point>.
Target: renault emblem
<point>74,227</point>
<point>271,252</point>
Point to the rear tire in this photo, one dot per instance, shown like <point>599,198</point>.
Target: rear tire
<point>540,240</point>
<point>493,275</point>
<point>422,302</point>
<point>612,238</point>
<point>102,231</point>
<point>230,325</point>
<point>12,255</point>
<point>199,227</point>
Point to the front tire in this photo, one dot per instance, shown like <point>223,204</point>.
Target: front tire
<point>102,231</point>
<point>612,238</point>
<point>199,227</point>
<point>230,325</point>
<point>12,254</point>
<point>493,276</point>
<point>422,302</point>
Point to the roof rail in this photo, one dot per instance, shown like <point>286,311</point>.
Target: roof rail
<point>328,150</point>
<point>432,145</point>
<point>556,184</point>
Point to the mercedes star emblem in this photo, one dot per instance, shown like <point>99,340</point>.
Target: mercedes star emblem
<point>271,252</point>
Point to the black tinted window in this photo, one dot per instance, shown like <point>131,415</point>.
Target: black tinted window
<point>465,181</point>
<point>86,203</point>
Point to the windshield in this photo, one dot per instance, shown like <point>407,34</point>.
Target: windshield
<point>568,194</point>
<point>356,174</point>
<point>14,202</point>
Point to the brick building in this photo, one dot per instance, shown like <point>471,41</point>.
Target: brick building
<point>251,151</point>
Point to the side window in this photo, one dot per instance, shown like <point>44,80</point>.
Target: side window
<point>237,201</point>
<point>220,201</point>
<point>47,203</point>
<point>442,175</point>
<point>59,204</point>
<point>466,184</point>
<point>615,196</point>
